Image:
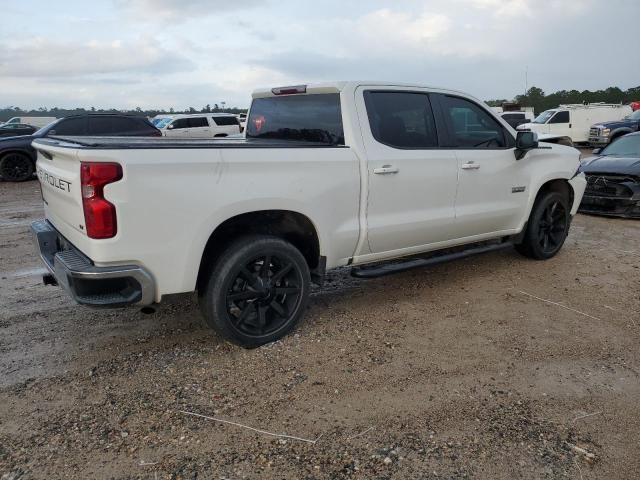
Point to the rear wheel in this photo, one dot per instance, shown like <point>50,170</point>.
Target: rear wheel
<point>16,167</point>
<point>547,228</point>
<point>257,291</point>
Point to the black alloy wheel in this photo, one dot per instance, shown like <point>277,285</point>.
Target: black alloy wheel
<point>256,291</point>
<point>16,167</point>
<point>552,227</point>
<point>547,228</point>
<point>264,293</point>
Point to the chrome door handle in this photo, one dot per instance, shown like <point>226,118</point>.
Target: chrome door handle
<point>385,170</point>
<point>470,166</point>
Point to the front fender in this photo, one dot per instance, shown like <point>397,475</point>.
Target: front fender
<point>578,184</point>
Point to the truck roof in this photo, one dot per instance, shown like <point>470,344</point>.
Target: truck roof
<point>342,85</point>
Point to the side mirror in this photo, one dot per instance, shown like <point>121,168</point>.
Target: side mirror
<point>170,127</point>
<point>525,141</point>
<point>51,132</point>
<point>596,151</point>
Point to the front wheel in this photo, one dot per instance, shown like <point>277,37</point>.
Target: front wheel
<point>547,228</point>
<point>257,291</point>
<point>16,167</point>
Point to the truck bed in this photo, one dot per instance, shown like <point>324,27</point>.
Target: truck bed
<point>147,143</point>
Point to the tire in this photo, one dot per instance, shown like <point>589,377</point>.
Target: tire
<point>547,228</point>
<point>16,167</point>
<point>250,304</point>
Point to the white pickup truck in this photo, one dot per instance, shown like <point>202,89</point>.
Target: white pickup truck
<point>330,175</point>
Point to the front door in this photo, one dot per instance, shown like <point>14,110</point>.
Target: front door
<point>412,182</point>
<point>493,187</point>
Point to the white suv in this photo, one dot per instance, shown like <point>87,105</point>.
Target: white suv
<point>201,125</point>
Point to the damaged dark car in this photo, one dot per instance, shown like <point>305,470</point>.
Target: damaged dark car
<point>613,179</point>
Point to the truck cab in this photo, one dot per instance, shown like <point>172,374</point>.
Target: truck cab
<point>328,175</point>
<point>575,121</point>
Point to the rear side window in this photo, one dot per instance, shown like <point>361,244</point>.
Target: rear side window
<point>131,126</point>
<point>471,126</point>
<point>308,118</point>
<point>560,117</point>
<point>220,121</point>
<point>197,122</point>
<point>100,125</point>
<point>401,119</point>
<point>71,126</point>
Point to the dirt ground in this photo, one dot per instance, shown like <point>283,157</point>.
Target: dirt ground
<point>456,371</point>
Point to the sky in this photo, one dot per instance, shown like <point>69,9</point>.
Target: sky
<point>182,53</point>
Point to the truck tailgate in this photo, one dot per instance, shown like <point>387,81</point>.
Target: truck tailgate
<point>58,171</point>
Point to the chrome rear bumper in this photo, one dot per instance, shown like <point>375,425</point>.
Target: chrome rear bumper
<point>90,285</point>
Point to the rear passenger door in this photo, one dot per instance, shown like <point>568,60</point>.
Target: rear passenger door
<point>412,183</point>
<point>492,185</point>
<point>199,127</point>
<point>225,125</point>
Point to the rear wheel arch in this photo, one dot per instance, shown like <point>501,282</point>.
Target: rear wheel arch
<point>294,227</point>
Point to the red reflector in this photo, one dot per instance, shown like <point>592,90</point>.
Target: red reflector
<point>99,214</point>
<point>289,90</point>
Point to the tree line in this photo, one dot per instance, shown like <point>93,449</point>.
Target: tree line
<point>536,98</point>
<point>11,111</point>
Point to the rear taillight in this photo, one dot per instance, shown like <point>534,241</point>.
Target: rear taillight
<point>99,215</point>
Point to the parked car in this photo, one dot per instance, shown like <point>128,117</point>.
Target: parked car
<point>515,118</point>
<point>199,125</point>
<point>337,174</point>
<point>35,121</point>
<point>603,133</point>
<point>16,129</point>
<point>613,179</point>
<point>18,157</point>
<point>574,121</point>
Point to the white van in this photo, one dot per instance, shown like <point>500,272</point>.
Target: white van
<point>574,121</point>
<point>33,121</point>
<point>198,125</point>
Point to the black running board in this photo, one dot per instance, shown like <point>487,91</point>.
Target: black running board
<point>390,268</point>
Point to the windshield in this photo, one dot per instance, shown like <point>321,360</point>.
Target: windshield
<point>629,145</point>
<point>544,116</point>
<point>161,122</point>
<point>635,115</point>
<point>307,118</point>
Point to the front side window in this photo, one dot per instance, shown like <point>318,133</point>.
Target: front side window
<point>71,126</point>
<point>180,123</point>
<point>401,119</point>
<point>471,126</point>
<point>560,117</point>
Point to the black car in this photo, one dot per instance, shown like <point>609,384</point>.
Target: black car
<point>16,129</point>
<point>613,179</point>
<point>18,157</point>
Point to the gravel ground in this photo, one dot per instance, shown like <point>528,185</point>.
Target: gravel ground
<point>456,371</point>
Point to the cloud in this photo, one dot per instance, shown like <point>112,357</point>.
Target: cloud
<point>391,28</point>
<point>182,10</point>
<point>40,57</point>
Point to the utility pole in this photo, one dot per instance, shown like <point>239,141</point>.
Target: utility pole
<point>526,80</point>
